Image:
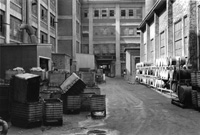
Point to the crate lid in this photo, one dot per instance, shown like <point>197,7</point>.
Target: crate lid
<point>26,76</point>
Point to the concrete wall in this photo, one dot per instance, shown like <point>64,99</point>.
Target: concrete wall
<point>85,61</point>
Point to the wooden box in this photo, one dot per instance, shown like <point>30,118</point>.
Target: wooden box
<point>96,90</point>
<point>88,78</point>
<point>56,78</point>
<point>71,104</point>
<point>26,88</point>
<point>26,114</point>
<point>53,111</point>
<point>5,101</point>
<point>61,61</point>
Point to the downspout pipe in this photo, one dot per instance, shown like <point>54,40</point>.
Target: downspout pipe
<point>27,26</point>
<point>30,31</point>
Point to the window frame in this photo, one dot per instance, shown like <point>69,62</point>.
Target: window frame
<point>123,16</point>
<point>178,38</point>
<point>2,14</point>
<point>95,13</point>
<point>162,44</point>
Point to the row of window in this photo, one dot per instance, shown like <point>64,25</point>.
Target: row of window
<point>180,41</point>
<point>110,13</point>
<point>44,16</point>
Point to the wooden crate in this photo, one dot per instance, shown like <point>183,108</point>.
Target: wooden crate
<point>98,105</point>
<point>88,78</point>
<point>96,90</point>
<point>26,88</point>
<point>85,101</point>
<point>61,61</point>
<point>71,104</point>
<point>56,78</point>
<point>26,114</point>
<point>53,111</point>
<point>69,82</point>
<point>28,111</point>
<point>5,101</point>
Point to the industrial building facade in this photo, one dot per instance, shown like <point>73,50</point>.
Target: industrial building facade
<point>171,29</point>
<point>41,14</point>
<point>101,28</point>
<point>107,28</point>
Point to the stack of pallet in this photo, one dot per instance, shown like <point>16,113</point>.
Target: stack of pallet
<point>26,109</point>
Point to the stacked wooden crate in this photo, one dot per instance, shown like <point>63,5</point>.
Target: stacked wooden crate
<point>52,112</point>
<point>71,89</point>
<point>26,109</point>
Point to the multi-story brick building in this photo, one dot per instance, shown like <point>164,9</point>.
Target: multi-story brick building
<point>171,29</point>
<point>107,28</point>
<point>40,14</point>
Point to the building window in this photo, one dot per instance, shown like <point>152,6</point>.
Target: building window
<point>152,50</point>
<point>77,47</point>
<point>34,7</point>
<point>52,20</point>
<point>130,13</point>
<point>104,13</point>
<point>43,14</point>
<point>145,52</point>
<point>85,48</point>
<point>178,39</point>
<point>77,28</point>
<point>15,33</point>
<point>1,22</point>
<point>139,13</point>
<point>186,36</point>
<point>85,13</point>
<point>112,13</point>
<point>123,13</point>
<point>43,37</point>
<point>53,42</point>
<point>18,2</point>
<point>96,13</point>
<point>162,44</point>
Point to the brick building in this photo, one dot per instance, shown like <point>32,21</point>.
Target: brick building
<point>40,14</point>
<point>171,29</point>
<point>108,27</point>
